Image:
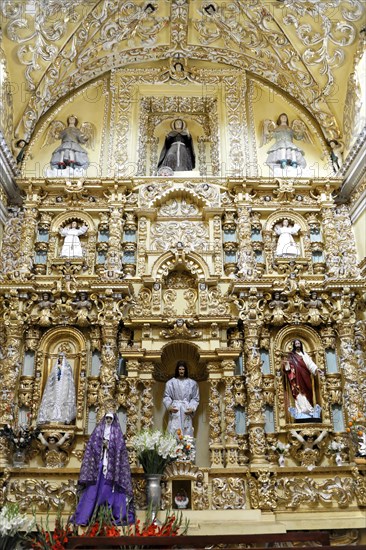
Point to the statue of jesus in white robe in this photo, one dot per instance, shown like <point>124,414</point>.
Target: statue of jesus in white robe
<point>181,399</point>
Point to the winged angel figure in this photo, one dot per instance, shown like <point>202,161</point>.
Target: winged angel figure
<point>70,152</point>
<point>284,152</point>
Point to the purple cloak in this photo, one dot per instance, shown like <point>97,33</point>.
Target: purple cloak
<point>113,487</point>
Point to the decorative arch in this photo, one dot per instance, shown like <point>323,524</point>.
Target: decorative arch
<point>73,343</point>
<point>53,335</point>
<point>310,338</point>
<point>70,216</point>
<point>279,215</point>
<point>180,350</point>
<point>169,261</point>
<point>180,193</point>
<point>313,347</point>
<point>78,79</point>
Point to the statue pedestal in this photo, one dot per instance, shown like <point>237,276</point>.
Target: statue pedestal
<point>189,174</point>
<point>67,172</point>
<point>288,172</point>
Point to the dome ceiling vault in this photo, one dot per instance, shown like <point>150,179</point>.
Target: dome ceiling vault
<point>303,47</point>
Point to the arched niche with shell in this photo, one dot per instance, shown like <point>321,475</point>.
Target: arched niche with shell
<point>64,221</point>
<point>312,345</point>
<point>164,369</point>
<point>72,343</point>
<point>298,229</point>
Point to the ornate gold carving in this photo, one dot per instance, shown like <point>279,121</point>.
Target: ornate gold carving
<point>215,425</point>
<point>56,448</point>
<point>295,492</point>
<point>262,490</point>
<point>200,495</point>
<point>228,493</point>
<point>139,492</point>
<point>43,494</point>
<point>181,329</point>
<point>308,446</point>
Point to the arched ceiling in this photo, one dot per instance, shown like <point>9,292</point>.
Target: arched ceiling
<point>303,47</point>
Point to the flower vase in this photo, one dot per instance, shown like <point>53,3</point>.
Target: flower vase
<point>19,458</point>
<point>153,489</point>
<point>281,461</point>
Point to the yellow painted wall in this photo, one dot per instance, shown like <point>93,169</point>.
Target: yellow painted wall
<point>359,229</point>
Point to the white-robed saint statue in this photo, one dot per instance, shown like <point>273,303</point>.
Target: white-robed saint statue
<point>58,401</point>
<point>286,246</point>
<point>71,247</point>
<point>181,399</point>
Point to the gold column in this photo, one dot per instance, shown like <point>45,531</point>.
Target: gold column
<point>114,254</point>
<point>108,368</point>
<point>255,410</point>
<point>27,242</point>
<point>11,364</point>
<point>231,444</point>
<point>215,443</point>
<point>352,397</point>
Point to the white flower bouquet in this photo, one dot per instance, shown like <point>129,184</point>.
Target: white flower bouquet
<point>280,448</point>
<point>155,450</point>
<point>336,447</point>
<point>12,522</point>
<point>186,450</point>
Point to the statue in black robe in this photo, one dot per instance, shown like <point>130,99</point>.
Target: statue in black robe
<point>178,153</point>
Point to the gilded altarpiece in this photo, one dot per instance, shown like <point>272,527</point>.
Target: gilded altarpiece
<point>187,267</point>
<point>178,297</point>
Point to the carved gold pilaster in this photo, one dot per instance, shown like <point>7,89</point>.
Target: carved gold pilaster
<point>262,491</point>
<point>114,254</point>
<point>351,392</point>
<point>246,259</point>
<point>147,417</point>
<point>26,251</point>
<point>10,366</point>
<point>231,444</point>
<point>330,238</point>
<point>217,245</point>
<point>142,246</point>
<point>37,388</point>
<point>108,366</point>
<point>203,297</point>
<point>279,387</point>
<point>254,382</point>
<point>157,300</point>
<point>133,400</point>
<point>80,399</point>
<point>216,447</point>
<point>200,494</point>
<point>268,249</point>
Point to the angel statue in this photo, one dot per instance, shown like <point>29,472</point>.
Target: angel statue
<point>284,152</point>
<point>336,158</point>
<point>70,152</point>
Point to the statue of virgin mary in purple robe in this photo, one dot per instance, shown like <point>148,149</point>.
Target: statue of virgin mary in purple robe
<point>105,476</point>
